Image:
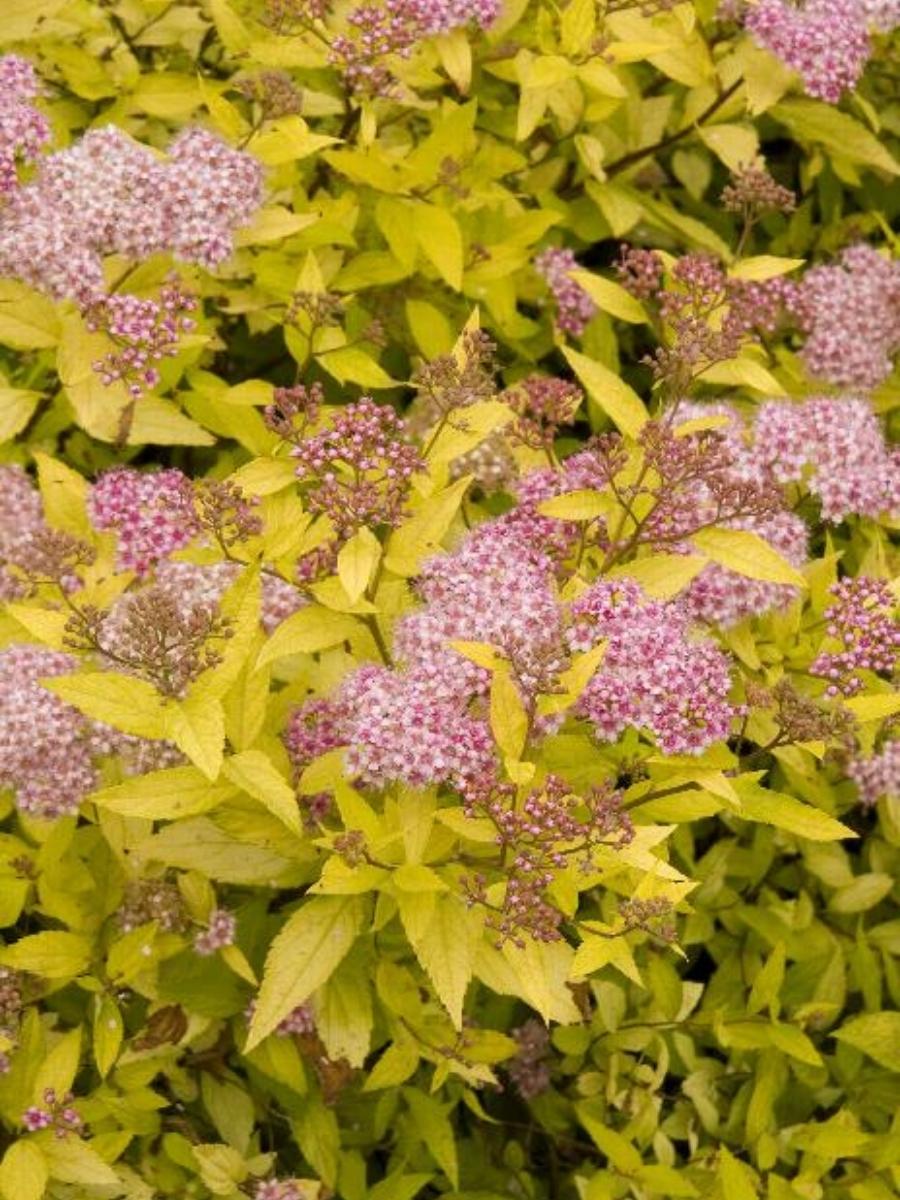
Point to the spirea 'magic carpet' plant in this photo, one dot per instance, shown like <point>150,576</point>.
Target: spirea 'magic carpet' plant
<point>448,566</point>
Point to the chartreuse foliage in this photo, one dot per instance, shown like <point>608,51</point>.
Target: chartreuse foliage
<point>714,1008</point>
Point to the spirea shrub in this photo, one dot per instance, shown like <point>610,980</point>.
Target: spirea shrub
<point>448,599</point>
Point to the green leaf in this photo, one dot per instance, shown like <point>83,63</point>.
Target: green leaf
<point>108,1033</point>
<point>313,941</point>
<point>747,554</point>
<point>59,1068</point>
<point>17,407</point>
<point>876,1035</point>
<point>257,775</point>
<point>24,1171</point>
<point>611,394</point>
<point>862,894</point>
<point>50,955</point>
<point>621,1153</point>
<point>343,1008</point>
<point>435,1131</point>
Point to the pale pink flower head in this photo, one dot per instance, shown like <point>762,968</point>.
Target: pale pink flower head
<point>825,41</point>
<point>878,775</point>
<point>574,307</point>
<point>24,130</point>
<point>152,512</point>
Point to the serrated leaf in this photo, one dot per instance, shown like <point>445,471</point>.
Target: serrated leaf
<point>311,629</point>
<point>747,554</point>
<point>131,705</point>
<point>197,727</point>
<point>166,795</point>
<point>49,955</point>
<point>257,775</point>
<point>876,1035</point>
<point>784,812</point>
<point>611,394</point>
<point>313,941</point>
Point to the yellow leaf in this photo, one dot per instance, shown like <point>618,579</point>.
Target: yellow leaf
<point>255,773</point>
<point>873,708</point>
<point>611,394</point>
<point>662,576</point>
<point>455,54</point>
<point>314,939</point>
<point>107,1035</point>
<point>465,428</point>
<point>421,534</point>
<point>441,931</point>
<point>747,554</point>
<point>594,953</point>
<point>129,704</point>
<point>582,505</point>
<point>28,320</point>
<point>63,495</point>
<point>17,407</point>
<point>24,1172</point>
<point>357,561</point>
<point>764,266</point>
<point>311,629</point>
<point>743,372</point>
<point>735,1179</point>
<point>197,727</point>
<point>784,812</point>
<point>440,240</point>
<point>49,955</point>
<point>235,958</point>
<point>736,145</point>
<point>352,364</point>
<point>611,297</point>
<point>509,722</point>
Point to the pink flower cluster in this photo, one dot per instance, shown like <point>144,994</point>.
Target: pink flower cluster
<point>878,775</point>
<point>109,194</point>
<point>277,1189</point>
<point>862,620</point>
<point>654,674</point>
<point>21,517</point>
<point>574,307</point>
<point>144,331</point>
<point>357,471</point>
<point>57,1114</point>
<point>219,933</point>
<point>394,28</point>
<point>152,512</point>
<point>47,747</point>
<point>836,446</point>
<point>826,41</point>
<point>24,131</point>
<point>850,311</point>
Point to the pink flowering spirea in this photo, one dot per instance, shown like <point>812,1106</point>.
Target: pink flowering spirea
<point>377,31</point>
<point>825,41</point>
<point>21,517</point>
<point>144,331</point>
<point>836,446</point>
<point>878,775</point>
<point>574,307</point>
<point>219,933</point>
<point>399,726</point>
<point>862,621</point>
<point>108,194</point>
<point>496,587</point>
<point>880,15</point>
<point>722,597</point>
<point>655,675</point>
<point>357,471</point>
<point>24,130</point>
<point>850,311</point>
<point>152,512</point>
<point>45,744</point>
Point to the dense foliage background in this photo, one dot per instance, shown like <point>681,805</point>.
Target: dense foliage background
<point>448,569</point>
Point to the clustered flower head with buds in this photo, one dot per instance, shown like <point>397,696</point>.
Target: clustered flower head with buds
<point>878,775</point>
<point>219,933</point>
<point>357,471</point>
<point>574,307</point>
<point>144,332</point>
<point>24,130</point>
<point>378,32</point>
<point>529,1070</point>
<point>56,1113</point>
<point>826,41</point>
<point>150,511</point>
<point>862,619</point>
<point>850,312</point>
